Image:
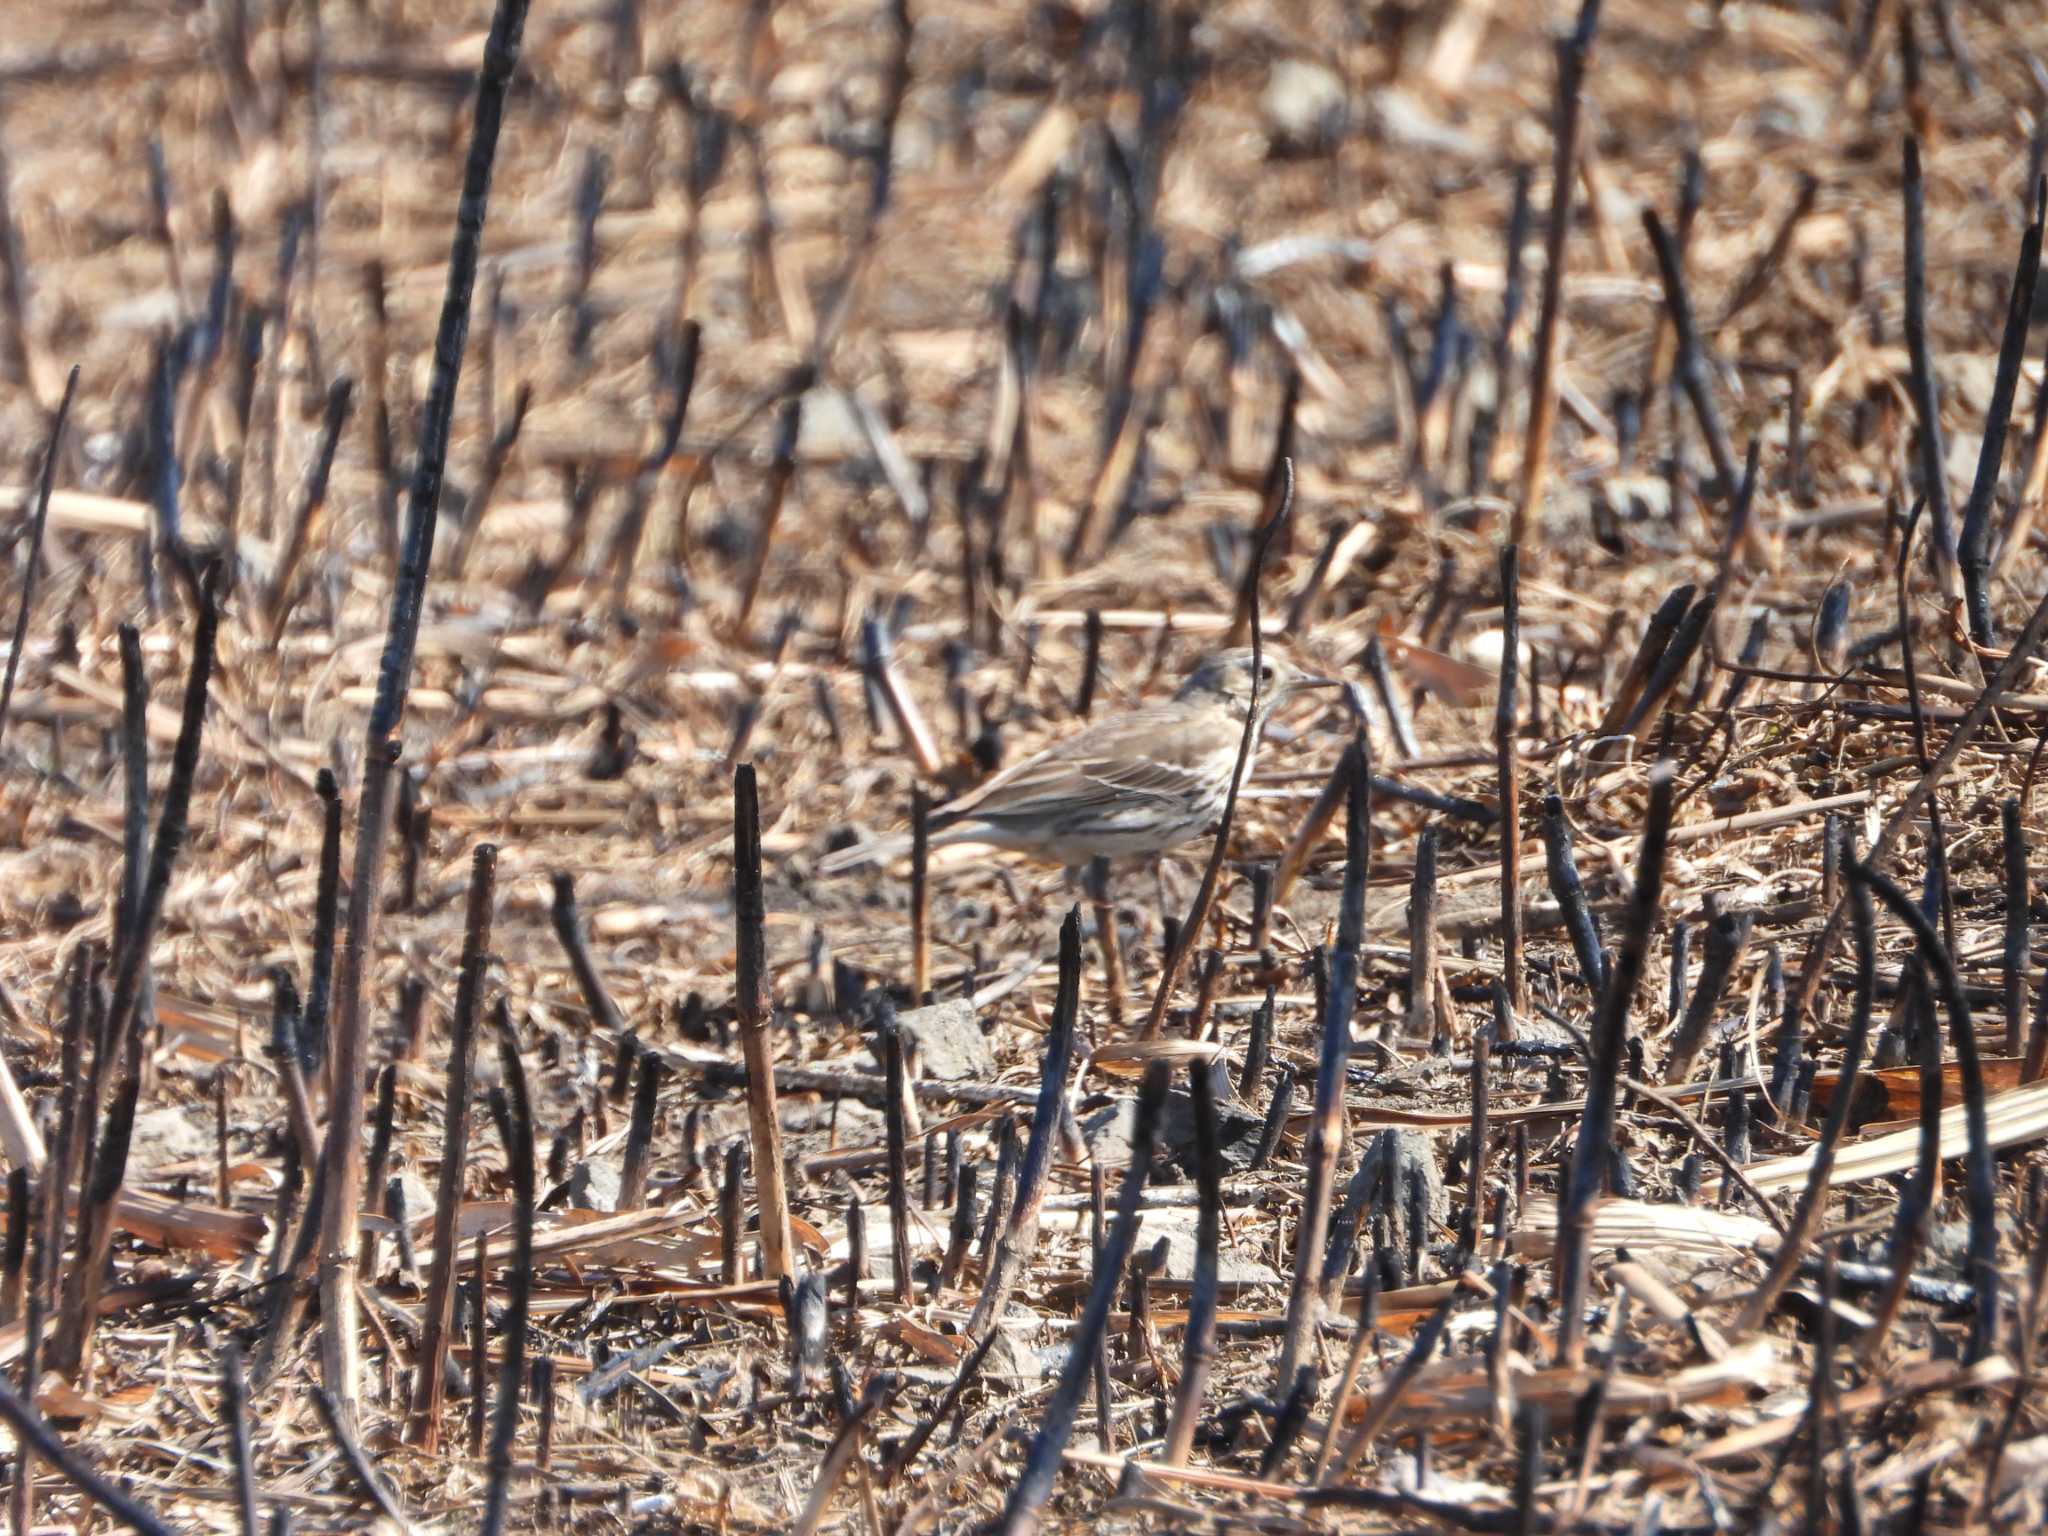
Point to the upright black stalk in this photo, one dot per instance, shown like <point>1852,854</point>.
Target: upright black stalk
<point>343,1155</point>
<point>1198,1341</point>
<point>438,1314</point>
<point>1590,1159</point>
<point>1981,1183</point>
<point>1570,892</point>
<point>513,1112</point>
<point>1573,55</point>
<point>1972,540</point>
<point>1508,761</point>
<point>1326,1120</point>
<point>133,959</point>
<point>1798,1237</point>
<point>1019,1239</point>
<point>38,520</point>
<point>1926,405</point>
<point>2016,911</point>
<point>326,909</point>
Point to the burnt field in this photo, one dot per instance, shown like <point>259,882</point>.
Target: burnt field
<point>495,509</point>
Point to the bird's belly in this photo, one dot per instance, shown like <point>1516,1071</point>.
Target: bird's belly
<point>1149,830</point>
<point>1079,848</point>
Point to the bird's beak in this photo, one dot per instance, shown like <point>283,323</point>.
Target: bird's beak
<point>1320,682</point>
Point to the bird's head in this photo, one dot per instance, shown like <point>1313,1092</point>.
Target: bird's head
<point>1231,676</point>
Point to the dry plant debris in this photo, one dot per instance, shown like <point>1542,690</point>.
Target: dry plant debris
<point>493,502</point>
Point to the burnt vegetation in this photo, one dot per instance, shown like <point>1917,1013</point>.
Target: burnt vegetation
<point>493,502</point>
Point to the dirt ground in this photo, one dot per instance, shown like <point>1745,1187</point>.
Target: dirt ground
<point>963,448</point>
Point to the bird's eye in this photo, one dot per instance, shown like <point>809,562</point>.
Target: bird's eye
<point>1265,673</point>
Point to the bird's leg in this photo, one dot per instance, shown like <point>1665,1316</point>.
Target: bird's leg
<point>1007,877</point>
<point>1173,896</point>
<point>1106,935</point>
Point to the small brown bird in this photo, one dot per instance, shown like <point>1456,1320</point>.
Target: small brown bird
<point>1140,782</point>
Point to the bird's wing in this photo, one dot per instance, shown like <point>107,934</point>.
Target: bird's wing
<point>1145,752</point>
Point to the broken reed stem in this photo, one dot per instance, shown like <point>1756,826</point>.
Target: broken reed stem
<point>754,1006</point>
<point>1205,994</point>
<point>343,1155</point>
<point>2017,886</point>
<point>1475,1161</point>
<point>1973,557</point>
<point>1422,961</point>
<point>878,662</point>
<point>1326,1128</point>
<point>1590,1151</point>
<point>1916,1198</point>
<point>14,286</point>
<point>380,1152</point>
<point>681,380</point>
<point>1019,1240</point>
<point>920,896</point>
<point>1697,626</point>
<point>1691,361</point>
<point>604,1013</point>
<point>479,1345</point>
<point>1794,1246</point>
<point>1756,282</point>
<point>87,1278</point>
<point>496,457</point>
<point>1364,1334</point>
<point>38,522</point>
<point>1926,407</point>
<point>1727,939</point>
<point>1309,835</point>
<point>234,1395</point>
<point>1389,693</point>
<point>429,1380</point>
<point>781,471</point>
<point>896,1126</point>
<point>512,1110</point>
<point>1570,892</point>
<point>1198,1339</point>
<point>1509,767</point>
<point>732,1213</point>
<point>326,909</point>
<point>133,958</point>
<point>340,398</point>
<point>1980,1186</point>
<point>1657,633</point>
<point>135,780</point>
<point>1573,54</point>
<point>1091,665</point>
<point>640,1134</point>
<point>960,1235</point>
<point>14,1267</point>
<point>383,449</point>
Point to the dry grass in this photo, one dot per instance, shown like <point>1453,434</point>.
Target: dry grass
<point>1320,255</point>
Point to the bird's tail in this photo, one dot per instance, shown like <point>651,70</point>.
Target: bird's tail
<point>878,850</point>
